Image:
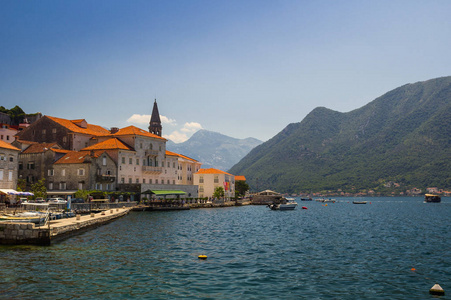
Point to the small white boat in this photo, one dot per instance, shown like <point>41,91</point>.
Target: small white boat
<point>25,217</point>
<point>285,204</point>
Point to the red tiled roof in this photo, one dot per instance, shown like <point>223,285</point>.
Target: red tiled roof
<point>110,144</point>
<point>40,148</point>
<point>6,145</point>
<point>179,155</point>
<point>211,171</point>
<point>133,130</point>
<point>77,157</point>
<point>240,178</point>
<point>72,126</point>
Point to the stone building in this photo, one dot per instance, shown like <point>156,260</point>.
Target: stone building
<point>210,179</point>
<point>8,165</point>
<point>69,134</point>
<point>83,170</point>
<point>36,162</point>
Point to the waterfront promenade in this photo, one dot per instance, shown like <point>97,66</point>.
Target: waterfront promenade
<point>29,233</point>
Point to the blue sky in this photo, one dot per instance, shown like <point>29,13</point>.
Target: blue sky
<point>241,68</point>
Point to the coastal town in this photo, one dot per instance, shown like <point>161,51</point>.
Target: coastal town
<point>126,164</point>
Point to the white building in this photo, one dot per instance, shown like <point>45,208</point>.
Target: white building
<point>210,179</point>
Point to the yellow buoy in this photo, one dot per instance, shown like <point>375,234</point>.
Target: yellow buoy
<point>437,290</point>
<point>202,257</point>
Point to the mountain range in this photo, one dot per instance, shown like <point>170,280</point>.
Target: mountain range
<point>214,150</point>
<point>400,139</point>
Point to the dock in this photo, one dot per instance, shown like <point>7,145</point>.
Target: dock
<point>32,234</point>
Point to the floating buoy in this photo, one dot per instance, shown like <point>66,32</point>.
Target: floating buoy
<point>202,257</point>
<point>304,207</point>
<point>413,269</point>
<point>437,290</point>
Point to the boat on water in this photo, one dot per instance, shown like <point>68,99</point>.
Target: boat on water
<point>25,217</point>
<point>306,199</point>
<point>359,202</point>
<point>31,216</point>
<point>324,200</point>
<point>285,204</point>
<point>431,198</point>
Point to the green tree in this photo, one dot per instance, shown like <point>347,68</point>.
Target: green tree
<point>82,194</point>
<point>241,187</point>
<point>39,189</point>
<point>219,192</point>
<point>21,184</point>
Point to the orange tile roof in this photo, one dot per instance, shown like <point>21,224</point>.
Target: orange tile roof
<point>6,145</point>
<point>211,171</point>
<point>71,125</point>
<point>76,157</point>
<point>179,155</point>
<point>133,130</point>
<point>40,148</point>
<point>240,178</point>
<point>110,144</point>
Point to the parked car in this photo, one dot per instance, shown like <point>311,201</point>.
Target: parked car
<point>77,200</point>
<point>57,201</point>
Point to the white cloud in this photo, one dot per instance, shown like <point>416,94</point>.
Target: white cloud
<point>166,120</point>
<point>176,137</point>
<point>145,119</point>
<point>139,119</point>
<point>191,127</point>
<point>180,136</point>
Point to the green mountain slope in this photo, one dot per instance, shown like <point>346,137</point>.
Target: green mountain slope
<point>401,137</point>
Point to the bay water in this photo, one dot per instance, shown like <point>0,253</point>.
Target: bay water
<point>390,248</point>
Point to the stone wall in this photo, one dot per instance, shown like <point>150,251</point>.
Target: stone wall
<point>23,234</point>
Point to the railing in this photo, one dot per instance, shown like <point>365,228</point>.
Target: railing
<point>151,152</point>
<point>154,170</point>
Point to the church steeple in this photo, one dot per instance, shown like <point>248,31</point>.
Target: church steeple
<point>155,122</point>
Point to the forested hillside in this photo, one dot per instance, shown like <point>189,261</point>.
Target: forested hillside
<point>401,138</point>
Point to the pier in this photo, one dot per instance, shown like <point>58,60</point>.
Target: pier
<point>32,234</point>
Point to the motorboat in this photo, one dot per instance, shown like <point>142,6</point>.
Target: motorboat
<point>25,217</point>
<point>359,202</point>
<point>430,198</point>
<point>285,204</point>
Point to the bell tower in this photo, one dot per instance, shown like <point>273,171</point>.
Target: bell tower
<point>155,122</point>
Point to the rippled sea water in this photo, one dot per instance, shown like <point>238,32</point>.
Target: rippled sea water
<point>338,251</point>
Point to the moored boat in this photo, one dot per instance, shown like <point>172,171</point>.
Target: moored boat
<point>285,204</point>
<point>431,198</point>
<point>359,202</point>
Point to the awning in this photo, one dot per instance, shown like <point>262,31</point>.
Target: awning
<point>14,192</point>
<point>164,192</point>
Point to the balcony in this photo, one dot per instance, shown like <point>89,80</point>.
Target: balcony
<point>151,152</point>
<point>105,178</point>
<point>152,170</point>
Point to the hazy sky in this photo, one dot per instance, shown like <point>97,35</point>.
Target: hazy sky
<point>242,68</point>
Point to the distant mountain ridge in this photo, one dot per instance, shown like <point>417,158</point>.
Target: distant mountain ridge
<point>214,150</point>
<point>402,137</point>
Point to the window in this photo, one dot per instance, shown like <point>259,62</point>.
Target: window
<point>7,137</point>
<point>50,185</point>
<point>50,172</point>
<point>123,160</point>
<point>62,185</point>
<point>130,161</point>
<point>137,180</point>
<point>43,131</point>
<point>137,161</point>
<point>63,172</point>
<point>140,145</point>
<point>107,186</point>
<point>216,179</point>
<point>81,172</point>
<point>173,181</point>
<point>169,182</point>
<point>144,180</point>
<point>30,165</point>
<point>173,164</point>
<point>129,180</point>
<point>20,166</point>
<point>104,161</point>
<point>169,164</point>
<point>1,174</point>
<point>64,139</point>
<point>54,130</point>
<point>122,180</point>
<point>80,185</point>
<point>11,159</point>
<point>150,181</point>
<point>201,189</point>
<point>201,179</point>
<point>156,181</point>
